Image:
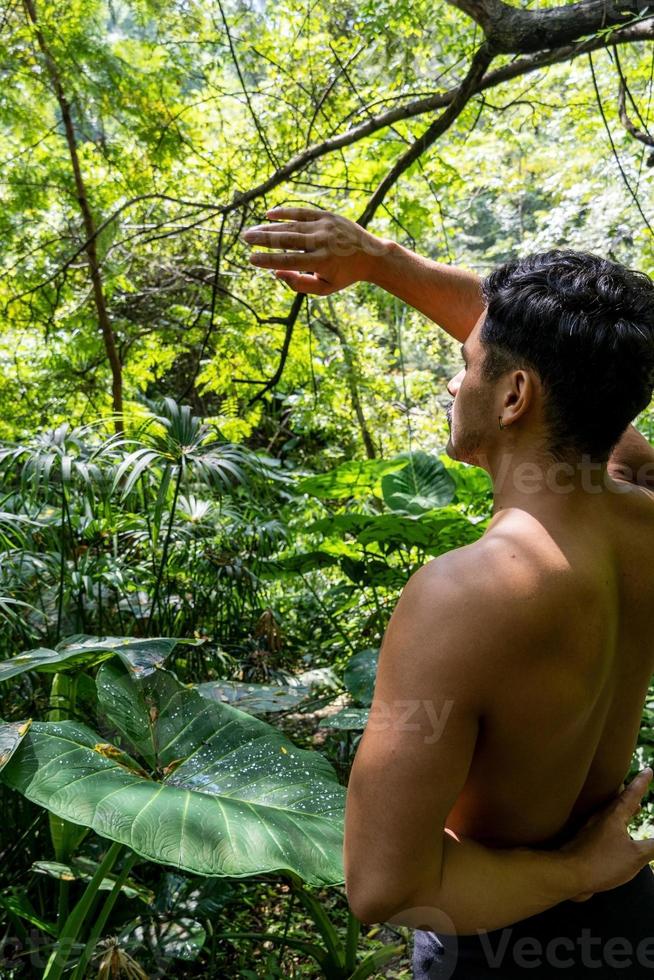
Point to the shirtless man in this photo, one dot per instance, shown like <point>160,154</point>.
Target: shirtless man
<point>500,833</point>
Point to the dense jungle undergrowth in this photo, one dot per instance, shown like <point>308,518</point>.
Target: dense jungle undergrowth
<point>212,490</point>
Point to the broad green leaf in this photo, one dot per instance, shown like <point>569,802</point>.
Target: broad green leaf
<point>257,699</point>
<point>360,673</point>
<point>233,797</point>
<point>397,531</point>
<point>244,801</point>
<point>355,478</point>
<point>140,656</point>
<point>422,484</point>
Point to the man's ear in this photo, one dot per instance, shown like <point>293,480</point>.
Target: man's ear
<point>519,394</point>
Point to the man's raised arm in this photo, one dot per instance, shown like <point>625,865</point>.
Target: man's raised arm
<point>326,252</point>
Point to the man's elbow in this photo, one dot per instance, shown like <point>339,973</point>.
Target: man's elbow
<point>382,906</point>
<point>369,903</point>
<point>369,910</point>
<point>417,910</point>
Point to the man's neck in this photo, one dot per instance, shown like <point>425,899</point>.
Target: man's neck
<point>537,483</point>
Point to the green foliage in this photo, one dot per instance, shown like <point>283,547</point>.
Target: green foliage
<point>236,798</point>
<point>421,485</point>
<point>141,657</point>
<point>359,676</point>
<point>241,523</point>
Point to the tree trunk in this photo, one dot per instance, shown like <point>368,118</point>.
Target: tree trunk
<point>90,228</point>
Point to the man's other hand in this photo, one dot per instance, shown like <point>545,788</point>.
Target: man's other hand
<point>315,251</point>
<point>603,849</point>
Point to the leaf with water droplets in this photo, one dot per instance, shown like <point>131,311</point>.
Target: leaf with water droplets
<point>237,797</point>
<point>140,656</point>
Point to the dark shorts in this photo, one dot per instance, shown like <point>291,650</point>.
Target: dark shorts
<point>609,935</point>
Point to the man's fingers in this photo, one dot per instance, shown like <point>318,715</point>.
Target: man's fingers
<point>305,284</point>
<point>300,261</point>
<point>629,799</point>
<point>300,227</point>
<point>274,238</point>
<point>295,214</point>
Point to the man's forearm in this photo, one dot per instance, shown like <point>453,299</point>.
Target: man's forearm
<point>490,888</point>
<point>449,295</point>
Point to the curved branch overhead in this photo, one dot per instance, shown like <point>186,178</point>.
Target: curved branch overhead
<point>511,30</point>
<point>543,38</point>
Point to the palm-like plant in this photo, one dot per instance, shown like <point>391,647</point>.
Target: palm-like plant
<point>48,468</point>
<point>177,447</point>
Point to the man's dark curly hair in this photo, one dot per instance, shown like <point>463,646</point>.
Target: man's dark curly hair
<point>585,325</point>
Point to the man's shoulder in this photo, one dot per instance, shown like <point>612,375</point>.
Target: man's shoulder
<point>498,586</point>
<point>504,564</point>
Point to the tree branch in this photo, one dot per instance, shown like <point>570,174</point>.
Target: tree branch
<point>459,99</point>
<point>512,30</point>
<point>632,129</point>
<point>290,325</point>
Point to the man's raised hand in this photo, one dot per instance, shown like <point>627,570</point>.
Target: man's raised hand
<point>321,252</point>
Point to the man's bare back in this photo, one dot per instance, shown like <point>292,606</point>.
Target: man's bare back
<point>572,603</point>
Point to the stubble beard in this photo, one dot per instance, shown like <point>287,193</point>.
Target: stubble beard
<point>469,444</point>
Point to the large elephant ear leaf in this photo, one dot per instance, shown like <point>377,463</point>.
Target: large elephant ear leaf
<point>164,721</point>
<point>423,484</point>
<point>232,796</point>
